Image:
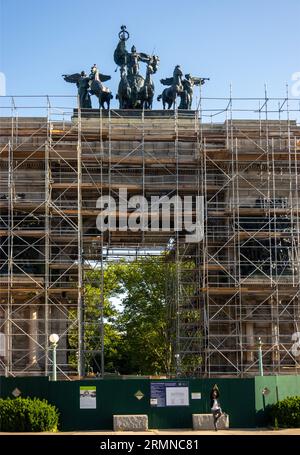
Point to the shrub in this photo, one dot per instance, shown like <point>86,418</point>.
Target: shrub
<point>26,414</point>
<point>286,413</point>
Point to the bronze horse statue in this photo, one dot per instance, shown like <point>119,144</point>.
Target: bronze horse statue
<point>124,90</point>
<point>169,95</point>
<point>129,90</point>
<point>147,92</point>
<point>103,94</point>
<point>90,85</point>
<point>134,91</point>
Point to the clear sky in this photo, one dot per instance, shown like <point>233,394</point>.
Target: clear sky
<point>246,43</point>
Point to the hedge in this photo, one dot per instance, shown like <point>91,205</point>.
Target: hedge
<point>27,415</point>
<point>286,413</point>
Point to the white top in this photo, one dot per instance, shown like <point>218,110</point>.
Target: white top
<point>215,405</point>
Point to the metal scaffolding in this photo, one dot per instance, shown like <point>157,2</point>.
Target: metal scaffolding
<point>238,283</point>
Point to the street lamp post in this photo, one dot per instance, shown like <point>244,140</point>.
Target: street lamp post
<point>54,338</point>
<point>260,359</point>
<point>177,358</point>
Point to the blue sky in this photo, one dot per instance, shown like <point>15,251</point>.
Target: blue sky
<point>246,43</point>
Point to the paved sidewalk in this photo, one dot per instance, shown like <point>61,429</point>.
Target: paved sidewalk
<point>173,432</point>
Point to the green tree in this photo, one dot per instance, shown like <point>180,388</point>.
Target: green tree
<point>146,321</point>
<point>139,335</point>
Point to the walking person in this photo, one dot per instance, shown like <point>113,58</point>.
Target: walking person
<point>215,405</point>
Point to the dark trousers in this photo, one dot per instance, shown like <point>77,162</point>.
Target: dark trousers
<point>216,415</point>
